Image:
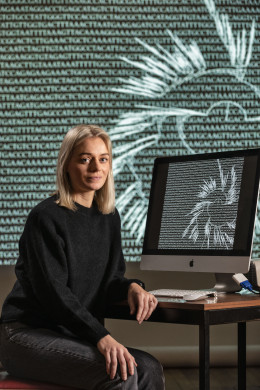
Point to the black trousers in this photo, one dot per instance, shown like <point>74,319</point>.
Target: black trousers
<point>45,355</point>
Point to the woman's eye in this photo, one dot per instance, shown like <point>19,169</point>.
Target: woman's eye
<point>85,160</point>
<point>88,159</point>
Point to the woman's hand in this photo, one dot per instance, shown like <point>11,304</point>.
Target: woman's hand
<point>115,353</point>
<point>142,300</point>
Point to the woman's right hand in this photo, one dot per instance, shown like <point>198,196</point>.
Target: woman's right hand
<point>115,353</point>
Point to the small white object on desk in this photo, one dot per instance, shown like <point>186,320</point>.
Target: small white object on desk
<point>196,296</point>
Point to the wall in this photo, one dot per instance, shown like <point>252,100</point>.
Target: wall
<point>174,345</point>
<point>162,77</point>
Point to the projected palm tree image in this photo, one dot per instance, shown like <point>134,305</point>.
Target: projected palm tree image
<point>167,116</point>
<point>214,215</point>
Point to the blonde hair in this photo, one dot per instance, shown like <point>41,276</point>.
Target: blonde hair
<point>105,196</point>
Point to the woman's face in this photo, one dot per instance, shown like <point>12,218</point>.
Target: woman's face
<point>89,166</point>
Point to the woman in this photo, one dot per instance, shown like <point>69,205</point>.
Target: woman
<point>69,268</point>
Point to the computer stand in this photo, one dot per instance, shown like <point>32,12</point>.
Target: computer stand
<point>225,283</point>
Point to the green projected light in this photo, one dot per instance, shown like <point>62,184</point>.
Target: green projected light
<point>163,77</point>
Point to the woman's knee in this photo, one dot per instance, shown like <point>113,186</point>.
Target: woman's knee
<point>150,371</point>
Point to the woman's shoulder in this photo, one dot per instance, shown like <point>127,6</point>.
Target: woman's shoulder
<point>115,216</point>
<point>47,209</point>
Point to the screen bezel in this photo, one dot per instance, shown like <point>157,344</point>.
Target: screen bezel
<point>198,253</point>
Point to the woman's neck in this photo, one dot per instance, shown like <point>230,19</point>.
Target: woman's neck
<point>85,199</point>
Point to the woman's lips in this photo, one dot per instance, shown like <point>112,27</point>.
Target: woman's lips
<point>94,178</point>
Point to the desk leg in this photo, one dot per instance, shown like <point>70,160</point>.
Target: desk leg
<point>204,353</point>
<point>241,343</point>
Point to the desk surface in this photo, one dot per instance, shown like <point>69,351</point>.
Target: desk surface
<point>227,308</point>
<point>223,301</point>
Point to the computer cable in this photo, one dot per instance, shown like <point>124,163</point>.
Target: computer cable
<point>241,280</point>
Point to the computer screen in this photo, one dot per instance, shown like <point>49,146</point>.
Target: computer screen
<point>201,212</point>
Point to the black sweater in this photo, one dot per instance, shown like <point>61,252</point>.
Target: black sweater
<point>70,267</point>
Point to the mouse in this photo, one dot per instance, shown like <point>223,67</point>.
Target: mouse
<point>195,296</point>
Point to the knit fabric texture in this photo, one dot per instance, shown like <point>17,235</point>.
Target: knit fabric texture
<point>70,267</point>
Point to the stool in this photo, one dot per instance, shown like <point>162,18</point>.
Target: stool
<point>9,382</point>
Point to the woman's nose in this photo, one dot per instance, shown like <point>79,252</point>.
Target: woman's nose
<point>95,165</point>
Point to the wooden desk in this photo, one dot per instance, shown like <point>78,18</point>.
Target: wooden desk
<point>226,309</point>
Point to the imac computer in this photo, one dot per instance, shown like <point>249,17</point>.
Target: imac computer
<point>201,214</point>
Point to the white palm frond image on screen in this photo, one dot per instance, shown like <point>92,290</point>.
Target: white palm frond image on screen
<point>214,215</point>
<point>167,116</point>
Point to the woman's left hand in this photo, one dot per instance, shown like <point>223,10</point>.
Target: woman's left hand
<point>143,301</point>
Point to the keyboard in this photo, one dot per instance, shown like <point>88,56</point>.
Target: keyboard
<point>175,293</point>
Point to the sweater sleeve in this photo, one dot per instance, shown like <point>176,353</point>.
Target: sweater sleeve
<point>43,250</point>
<point>118,285</point>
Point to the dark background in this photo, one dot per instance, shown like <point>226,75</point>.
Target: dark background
<point>66,62</point>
